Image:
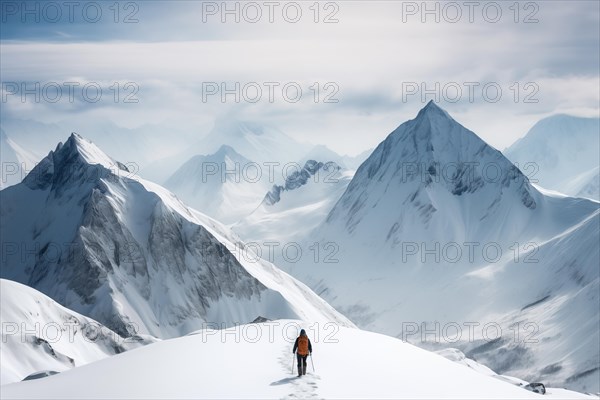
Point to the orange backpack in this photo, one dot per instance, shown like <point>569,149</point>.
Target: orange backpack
<point>303,345</point>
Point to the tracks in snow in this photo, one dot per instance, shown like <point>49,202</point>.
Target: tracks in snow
<point>304,387</point>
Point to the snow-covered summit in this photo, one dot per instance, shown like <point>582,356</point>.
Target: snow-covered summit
<point>225,150</point>
<point>73,161</point>
<point>224,185</point>
<point>432,110</point>
<point>88,151</point>
<point>425,176</point>
<point>223,164</point>
<point>436,148</point>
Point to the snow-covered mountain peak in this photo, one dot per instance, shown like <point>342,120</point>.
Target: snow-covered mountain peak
<point>426,167</point>
<point>226,150</point>
<point>432,123</point>
<point>76,159</point>
<point>434,126</point>
<point>224,185</point>
<point>201,180</point>
<point>88,151</point>
<point>435,150</point>
<point>432,110</point>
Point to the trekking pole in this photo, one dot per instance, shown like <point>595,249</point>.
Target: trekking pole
<point>312,363</point>
<point>293,364</point>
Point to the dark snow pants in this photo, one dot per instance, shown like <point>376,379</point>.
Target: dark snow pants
<point>301,363</point>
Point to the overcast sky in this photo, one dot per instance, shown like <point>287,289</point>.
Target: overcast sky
<point>376,64</point>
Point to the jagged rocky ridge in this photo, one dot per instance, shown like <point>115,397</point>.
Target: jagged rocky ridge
<point>299,178</point>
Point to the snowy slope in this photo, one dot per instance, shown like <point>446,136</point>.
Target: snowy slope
<point>425,233</point>
<point>561,152</point>
<point>254,361</point>
<point>83,231</point>
<point>297,206</point>
<point>16,162</point>
<point>558,297</point>
<point>224,185</point>
<point>38,334</point>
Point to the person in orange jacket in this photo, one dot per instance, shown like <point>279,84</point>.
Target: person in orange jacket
<point>304,348</point>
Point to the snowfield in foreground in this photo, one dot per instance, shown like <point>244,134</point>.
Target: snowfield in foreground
<point>39,334</point>
<point>255,361</point>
